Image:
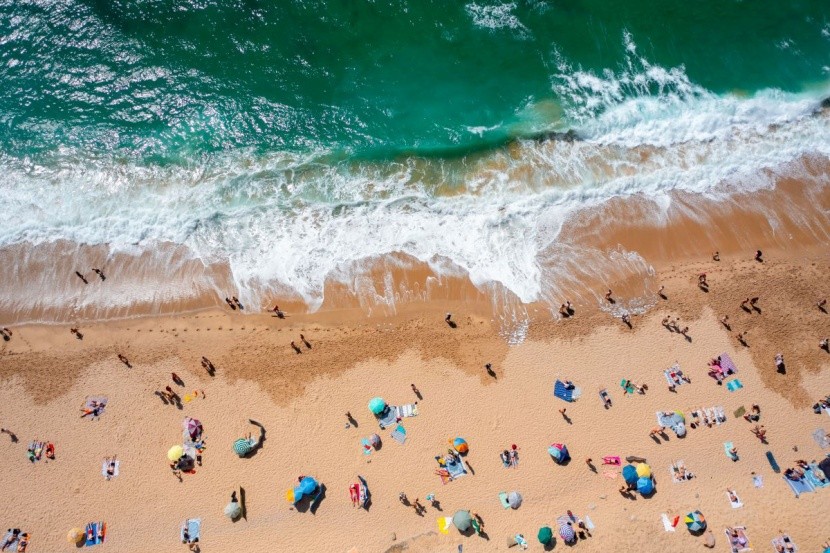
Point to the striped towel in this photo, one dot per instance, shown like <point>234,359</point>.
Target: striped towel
<point>727,364</point>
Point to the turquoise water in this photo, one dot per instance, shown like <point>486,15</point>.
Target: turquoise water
<point>297,141</point>
<point>166,80</point>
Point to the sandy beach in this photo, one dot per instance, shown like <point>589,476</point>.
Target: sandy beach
<point>301,401</point>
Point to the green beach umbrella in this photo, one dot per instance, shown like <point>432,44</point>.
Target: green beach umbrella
<point>545,535</point>
<point>377,405</point>
<point>242,447</point>
<point>462,520</point>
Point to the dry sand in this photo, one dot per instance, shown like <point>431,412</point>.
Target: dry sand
<point>301,401</point>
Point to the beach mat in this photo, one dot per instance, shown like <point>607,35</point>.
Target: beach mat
<point>399,434</point>
<point>194,529</point>
<point>739,548</point>
<point>560,391</point>
<point>739,412</point>
<point>735,504</point>
<point>727,364</point>
<point>104,468</point>
<point>628,389</point>
<point>457,469</point>
<point>388,417</point>
<point>781,542</point>
<point>799,486</point>
<point>503,500</point>
<point>727,446</point>
<point>667,525</point>
<point>408,410</point>
<point>734,385</point>
<point>813,478</point>
<point>820,436</point>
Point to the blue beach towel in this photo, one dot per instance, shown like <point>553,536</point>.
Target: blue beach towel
<point>399,434</point>
<point>733,385</point>
<point>727,446</point>
<point>810,475</point>
<point>388,417</point>
<point>560,391</point>
<point>628,389</point>
<point>772,462</point>
<point>456,469</point>
<point>799,486</point>
<point>93,539</point>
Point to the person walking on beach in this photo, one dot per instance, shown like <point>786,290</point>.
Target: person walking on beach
<point>82,277</point>
<point>304,341</point>
<point>661,292</point>
<point>716,256</point>
<point>825,344</point>
<point>230,303</point>
<point>279,313</point>
<point>296,348</point>
<point>759,256</point>
<point>100,273</point>
<point>701,280</point>
<point>822,304</point>
<point>626,318</point>
<point>124,360</point>
<point>725,322</point>
<point>609,296</point>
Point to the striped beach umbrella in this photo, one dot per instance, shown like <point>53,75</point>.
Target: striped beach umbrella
<point>566,532</point>
<point>460,445</point>
<point>242,447</point>
<point>695,522</point>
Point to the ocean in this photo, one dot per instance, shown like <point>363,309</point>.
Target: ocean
<point>294,142</point>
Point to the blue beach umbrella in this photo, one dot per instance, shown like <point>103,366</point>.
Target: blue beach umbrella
<point>377,405</point>
<point>629,473</point>
<point>307,485</point>
<point>559,452</point>
<point>645,486</point>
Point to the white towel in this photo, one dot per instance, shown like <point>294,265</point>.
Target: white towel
<point>735,504</point>
<point>667,523</point>
<point>104,467</point>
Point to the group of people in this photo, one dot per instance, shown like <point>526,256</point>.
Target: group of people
<point>510,458</point>
<point>15,536</point>
<point>233,303</point>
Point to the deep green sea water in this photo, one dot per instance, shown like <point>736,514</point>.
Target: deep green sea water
<point>162,79</point>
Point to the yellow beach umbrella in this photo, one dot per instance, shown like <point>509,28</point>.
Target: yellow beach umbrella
<point>643,470</point>
<point>75,535</point>
<point>175,453</point>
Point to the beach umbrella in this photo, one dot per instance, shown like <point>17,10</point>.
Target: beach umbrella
<point>695,522</point>
<point>645,486</point>
<point>75,535</point>
<point>307,485</point>
<point>567,533</point>
<point>460,445</point>
<point>233,510</point>
<point>643,470</point>
<point>629,473</point>
<point>242,447</point>
<point>559,452</point>
<point>374,439</point>
<point>545,535</point>
<point>514,499</point>
<point>193,428</point>
<point>377,405</point>
<point>462,520</point>
<point>175,453</point>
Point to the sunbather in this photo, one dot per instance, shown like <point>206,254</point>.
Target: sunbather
<point>783,543</point>
<point>754,414</point>
<point>23,543</point>
<point>737,537</point>
<point>505,458</point>
<point>110,467</point>
<point>794,474</point>
<point>11,537</point>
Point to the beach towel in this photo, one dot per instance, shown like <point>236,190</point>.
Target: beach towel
<point>739,412</point>
<point>366,446</point>
<point>813,478</point>
<point>603,396</point>
<point>820,436</point>
<point>673,378</point>
<point>675,470</point>
<point>104,469</point>
<point>444,524</point>
<point>399,434</point>
<point>457,469</point>
<point>733,385</point>
<point>388,417</point>
<point>8,537</point>
<point>773,463</point>
<point>720,415</point>
<point>503,499</point>
<point>727,446</point>
<point>100,403</point>
<point>758,481</point>
<point>560,391</point>
<point>610,474</point>
<point>628,389</point>
<point>737,547</point>
<point>194,529</point>
<point>783,541</point>
<point>737,504</point>
<point>667,525</point>
<point>589,524</point>
<point>92,538</point>
<point>727,364</point>
<point>408,410</point>
<point>611,460</point>
<point>799,486</point>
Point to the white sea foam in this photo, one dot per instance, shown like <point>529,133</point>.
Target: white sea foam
<point>497,16</point>
<point>285,221</point>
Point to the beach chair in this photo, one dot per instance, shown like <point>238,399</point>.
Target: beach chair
<point>399,434</point>
<point>563,393</point>
<point>503,499</point>
<point>784,543</point>
<point>194,530</point>
<point>799,486</point>
<point>741,544</point>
